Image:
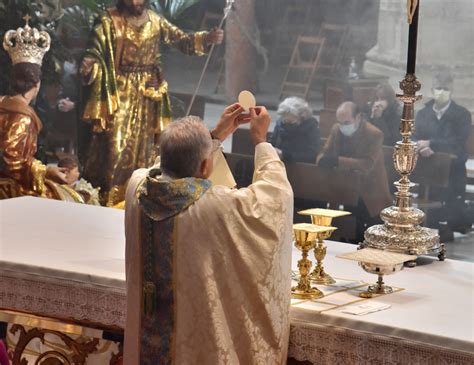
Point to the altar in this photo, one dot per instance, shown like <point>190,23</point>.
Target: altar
<point>62,267</point>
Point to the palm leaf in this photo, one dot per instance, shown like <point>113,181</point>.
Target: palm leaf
<point>172,9</point>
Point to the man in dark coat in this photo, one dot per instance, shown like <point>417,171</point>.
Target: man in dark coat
<point>444,126</point>
<point>355,144</point>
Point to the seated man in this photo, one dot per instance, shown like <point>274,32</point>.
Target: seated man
<point>444,126</point>
<point>208,267</point>
<point>355,144</point>
<point>296,134</point>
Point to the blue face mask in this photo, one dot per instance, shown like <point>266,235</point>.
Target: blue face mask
<point>348,129</point>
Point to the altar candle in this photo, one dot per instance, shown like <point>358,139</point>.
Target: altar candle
<point>412,38</point>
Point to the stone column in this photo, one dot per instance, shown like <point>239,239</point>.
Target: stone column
<point>240,55</point>
<point>445,38</point>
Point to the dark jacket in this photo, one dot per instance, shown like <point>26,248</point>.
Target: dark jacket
<point>449,134</point>
<point>298,142</point>
<point>361,152</point>
<point>389,124</point>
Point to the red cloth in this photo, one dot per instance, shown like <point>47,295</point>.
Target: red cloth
<point>3,354</point>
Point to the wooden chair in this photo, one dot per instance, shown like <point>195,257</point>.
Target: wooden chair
<point>288,30</point>
<point>336,36</point>
<point>334,186</point>
<point>311,183</point>
<point>361,91</point>
<point>302,67</point>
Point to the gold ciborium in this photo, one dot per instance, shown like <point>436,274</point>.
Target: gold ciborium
<point>305,240</point>
<point>322,218</point>
<point>379,263</point>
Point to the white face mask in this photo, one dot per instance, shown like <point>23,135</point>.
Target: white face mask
<point>441,96</point>
<point>348,129</point>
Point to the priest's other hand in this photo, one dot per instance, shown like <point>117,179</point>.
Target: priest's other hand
<point>57,174</point>
<point>259,122</point>
<point>230,120</point>
<point>215,36</point>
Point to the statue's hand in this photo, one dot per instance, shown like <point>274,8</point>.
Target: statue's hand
<point>86,66</point>
<point>215,36</point>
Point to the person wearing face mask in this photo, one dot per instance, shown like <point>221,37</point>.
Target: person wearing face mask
<point>444,126</point>
<point>296,135</point>
<point>355,144</point>
<point>385,114</point>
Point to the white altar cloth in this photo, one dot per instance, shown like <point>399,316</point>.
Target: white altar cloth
<point>66,260</point>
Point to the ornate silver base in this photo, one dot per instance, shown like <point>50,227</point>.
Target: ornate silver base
<point>402,233</point>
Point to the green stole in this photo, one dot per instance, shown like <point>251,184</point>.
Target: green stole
<point>161,202</point>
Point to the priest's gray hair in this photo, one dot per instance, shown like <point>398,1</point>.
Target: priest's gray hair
<point>184,145</point>
<point>295,106</point>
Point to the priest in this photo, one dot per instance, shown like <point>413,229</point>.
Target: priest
<point>208,267</point>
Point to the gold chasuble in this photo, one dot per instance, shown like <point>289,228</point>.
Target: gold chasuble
<point>208,268</point>
<point>123,102</point>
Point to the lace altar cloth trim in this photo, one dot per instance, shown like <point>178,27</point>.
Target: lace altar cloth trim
<point>319,344</point>
<point>327,345</point>
<point>59,298</point>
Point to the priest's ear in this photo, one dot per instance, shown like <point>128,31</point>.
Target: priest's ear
<point>205,170</point>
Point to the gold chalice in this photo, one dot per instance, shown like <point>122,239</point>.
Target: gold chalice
<point>322,218</point>
<point>305,240</point>
<point>319,276</point>
<point>380,263</point>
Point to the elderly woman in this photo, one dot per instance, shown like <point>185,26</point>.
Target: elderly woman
<point>385,114</point>
<point>296,134</point>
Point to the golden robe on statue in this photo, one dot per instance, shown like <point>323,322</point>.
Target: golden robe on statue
<point>125,107</point>
<point>20,173</point>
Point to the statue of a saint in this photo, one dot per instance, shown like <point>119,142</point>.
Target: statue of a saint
<point>126,99</point>
<point>20,173</point>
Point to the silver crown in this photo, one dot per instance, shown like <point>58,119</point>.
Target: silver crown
<point>26,44</point>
